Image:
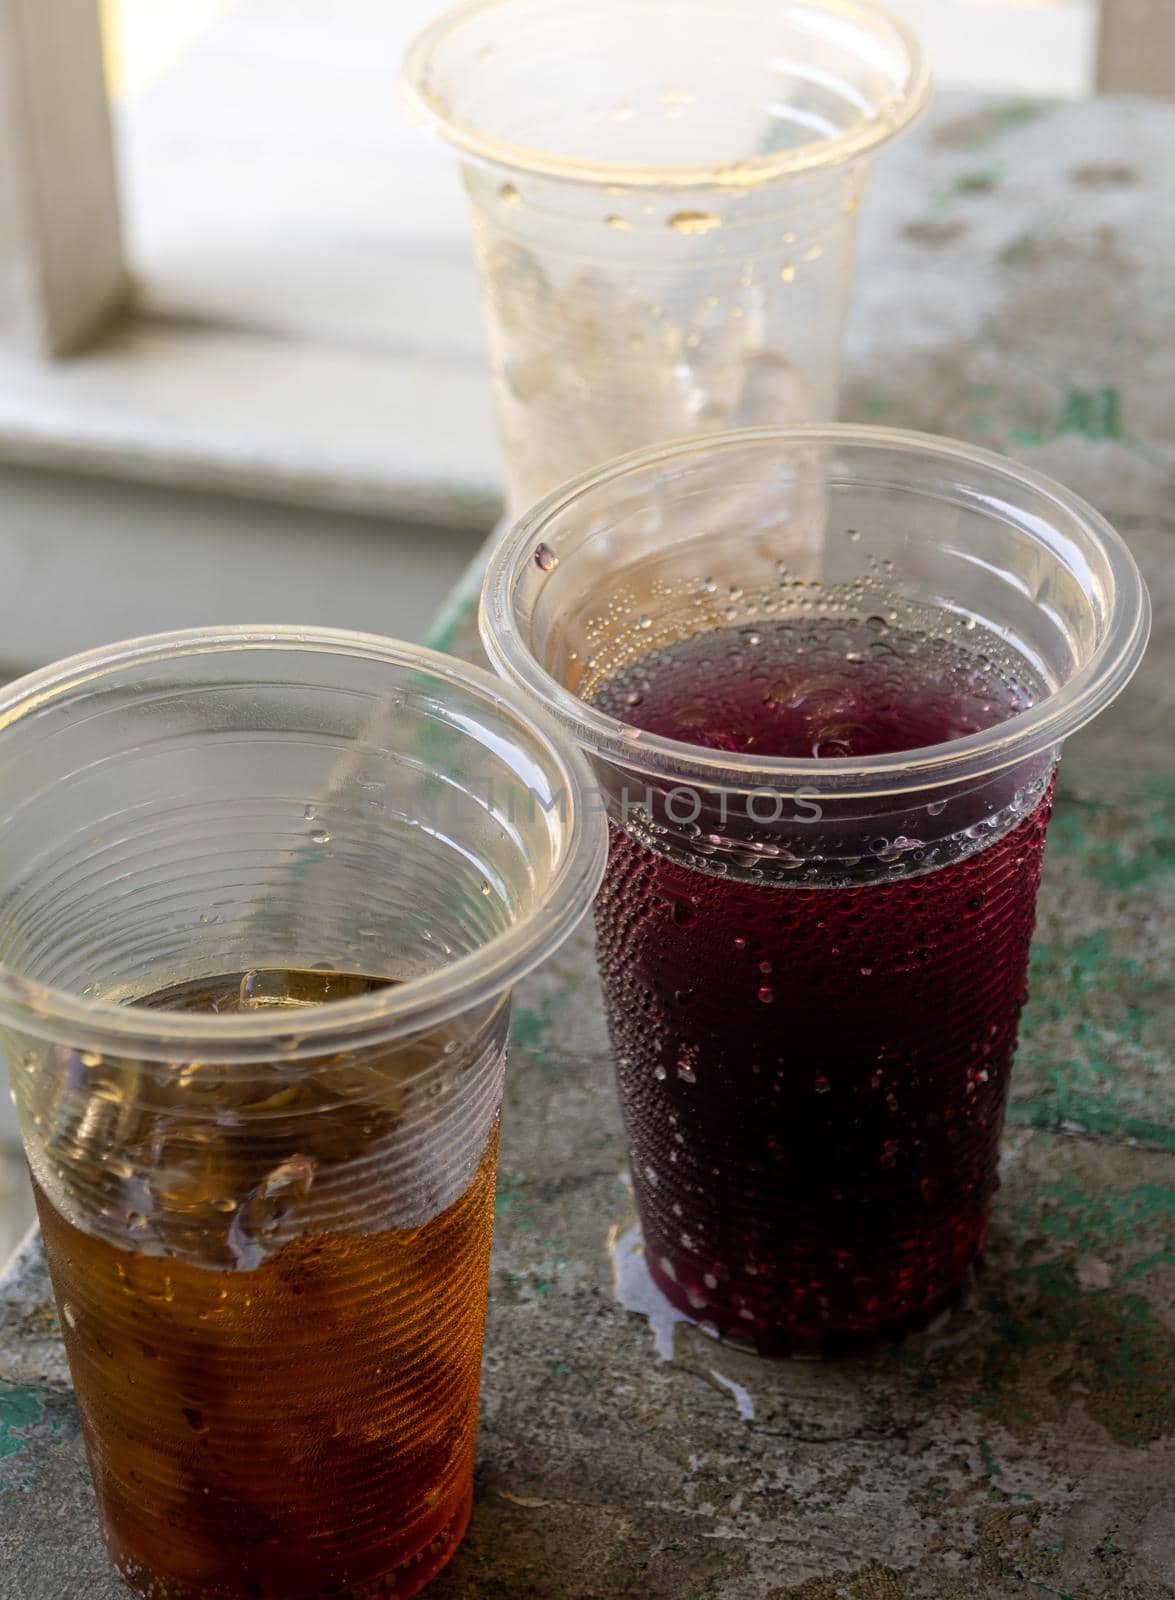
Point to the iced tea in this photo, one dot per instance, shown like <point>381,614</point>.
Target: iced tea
<point>273,1405</point>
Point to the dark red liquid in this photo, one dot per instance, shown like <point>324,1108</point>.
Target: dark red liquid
<point>814,1079</point>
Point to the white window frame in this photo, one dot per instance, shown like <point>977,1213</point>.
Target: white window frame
<point>60,233</point>
<point>93,378</point>
<point>1136,47</point>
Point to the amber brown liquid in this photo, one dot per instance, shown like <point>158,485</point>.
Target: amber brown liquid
<point>300,1430</point>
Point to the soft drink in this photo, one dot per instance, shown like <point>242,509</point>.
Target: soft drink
<point>271,1406</point>
<point>814,1077</point>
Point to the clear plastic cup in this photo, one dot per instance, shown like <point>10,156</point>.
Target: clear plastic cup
<point>664,198</point>
<point>321,860</point>
<point>814,964</point>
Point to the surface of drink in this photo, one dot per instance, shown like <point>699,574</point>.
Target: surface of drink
<point>814,1078</point>
<point>274,1405</point>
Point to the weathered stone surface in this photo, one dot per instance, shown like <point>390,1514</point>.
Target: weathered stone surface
<point>1026,1447</point>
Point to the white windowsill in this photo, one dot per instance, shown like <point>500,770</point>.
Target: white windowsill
<point>240,412</point>
<point>308,328</point>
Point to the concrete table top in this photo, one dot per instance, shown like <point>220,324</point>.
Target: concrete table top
<point>1017,288</point>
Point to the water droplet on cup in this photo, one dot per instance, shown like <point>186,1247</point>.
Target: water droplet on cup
<point>545,558</point>
<point>694,221</point>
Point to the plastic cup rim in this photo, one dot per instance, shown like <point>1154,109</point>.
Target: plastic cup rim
<point>57,1015</point>
<point>1029,733</point>
<point>861,139</point>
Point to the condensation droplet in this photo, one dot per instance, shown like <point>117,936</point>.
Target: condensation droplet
<point>788,272</point>
<point>510,195</point>
<point>545,558</point>
<point>320,836</point>
<point>695,221</point>
<point>621,224</point>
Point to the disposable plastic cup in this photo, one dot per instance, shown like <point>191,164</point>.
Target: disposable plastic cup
<point>664,197</point>
<point>264,894</point>
<point>814,963</point>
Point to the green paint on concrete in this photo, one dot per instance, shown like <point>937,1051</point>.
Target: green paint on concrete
<point>530,1027</point>
<point>968,185</point>
<point>1094,1050</point>
<point>1097,414</point>
<point>990,1465</point>
<point>1112,1343</point>
<point>1074,1114</point>
<point>509,1193</point>
<point>1090,413</point>
<point>450,623</point>
<point>981,181</point>
<point>1121,848</point>
<point>977,129</point>
<point>22,1405</point>
<point>1014,114</point>
<point>1110,1220</point>
<point>1021,250</point>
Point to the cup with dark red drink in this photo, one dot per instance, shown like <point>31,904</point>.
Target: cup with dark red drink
<point>823,675</point>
